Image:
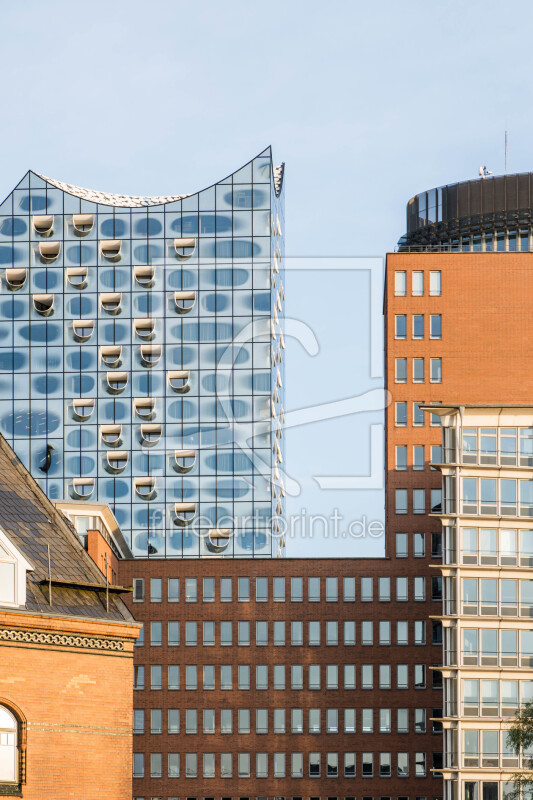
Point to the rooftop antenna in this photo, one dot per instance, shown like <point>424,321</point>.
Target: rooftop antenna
<point>506,152</point>
<point>484,172</point>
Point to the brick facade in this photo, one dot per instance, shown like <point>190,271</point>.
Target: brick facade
<point>359,742</point>
<point>68,681</point>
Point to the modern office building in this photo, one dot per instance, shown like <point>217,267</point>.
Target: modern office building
<point>458,328</point>
<point>486,516</point>
<point>141,356</point>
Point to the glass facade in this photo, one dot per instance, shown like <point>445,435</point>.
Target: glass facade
<point>141,356</point>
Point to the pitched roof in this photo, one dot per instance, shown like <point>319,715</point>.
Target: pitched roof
<point>32,522</point>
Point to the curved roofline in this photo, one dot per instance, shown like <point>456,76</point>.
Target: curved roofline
<point>468,180</point>
<point>139,201</point>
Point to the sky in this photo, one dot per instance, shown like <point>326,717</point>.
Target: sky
<point>366,103</point>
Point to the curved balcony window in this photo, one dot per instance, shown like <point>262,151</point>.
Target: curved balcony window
<point>77,277</point>
<point>111,435</point>
<point>184,513</point>
<point>16,278</point>
<point>117,461</point>
<point>145,488</point>
<point>49,251</point>
<point>178,380</point>
<point>82,408</point>
<point>184,301</point>
<point>144,275</point>
<point>111,249</point>
<point>83,329</point>
<point>43,224</point>
<point>43,304</point>
<point>111,302</point>
<point>110,354</point>
<point>218,539</point>
<point>184,460</point>
<point>150,434</point>
<point>184,248</point>
<point>144,407</point>
<point>82,224</point>
<point>116,382</point>
<point>82,488</point>
<point>150,354</point>
<point>144,328</point>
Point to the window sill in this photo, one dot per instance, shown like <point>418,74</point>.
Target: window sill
<point>10,790</point>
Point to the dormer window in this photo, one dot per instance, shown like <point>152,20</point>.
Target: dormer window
<point>13,568</point>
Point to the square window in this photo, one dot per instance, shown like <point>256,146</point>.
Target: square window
<point>401,414</point>
<point>400,326</point>
<point>401,370</point>
<point>418,370</point>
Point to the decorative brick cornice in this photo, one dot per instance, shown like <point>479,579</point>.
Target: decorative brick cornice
<point>61,640</point>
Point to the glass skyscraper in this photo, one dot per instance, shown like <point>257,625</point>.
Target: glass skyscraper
<point>141,356</point>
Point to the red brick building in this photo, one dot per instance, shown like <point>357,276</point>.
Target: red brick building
<point>66,656</point>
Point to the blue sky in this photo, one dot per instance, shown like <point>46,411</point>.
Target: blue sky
<point>366,103</point>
